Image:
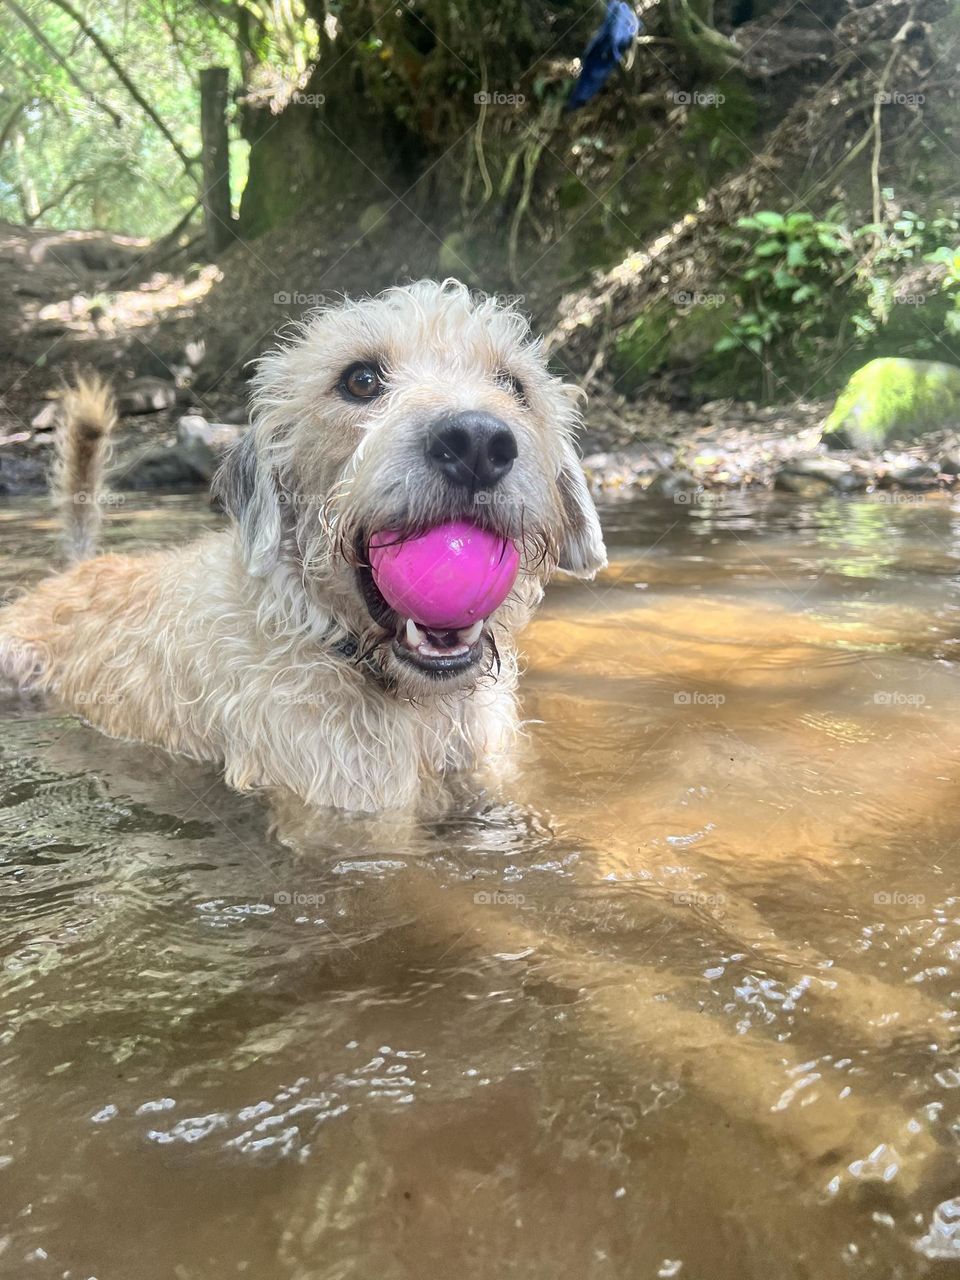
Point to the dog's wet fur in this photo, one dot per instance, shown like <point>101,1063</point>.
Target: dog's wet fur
<point>267,646</point>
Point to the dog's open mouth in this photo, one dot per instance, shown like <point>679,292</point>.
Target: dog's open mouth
<point>433,651</point>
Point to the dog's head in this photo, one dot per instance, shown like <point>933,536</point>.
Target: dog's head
<point>401,412</point>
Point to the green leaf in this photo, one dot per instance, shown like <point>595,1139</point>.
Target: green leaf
<point>796,254</point>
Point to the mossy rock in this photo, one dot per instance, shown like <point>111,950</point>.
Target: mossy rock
<point>893,399</point>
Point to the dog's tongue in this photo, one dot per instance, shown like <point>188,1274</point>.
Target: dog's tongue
<point>451,577</point>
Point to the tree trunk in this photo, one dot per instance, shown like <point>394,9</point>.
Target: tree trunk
<point>215,154</point>
<point>26,191</point>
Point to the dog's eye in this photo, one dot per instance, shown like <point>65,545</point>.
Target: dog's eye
<point>362,381</point>
<point>512,384</point>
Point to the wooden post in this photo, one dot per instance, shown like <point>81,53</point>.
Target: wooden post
<point>215,151</point>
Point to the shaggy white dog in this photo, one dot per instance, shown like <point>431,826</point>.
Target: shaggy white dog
<point>268,647</point>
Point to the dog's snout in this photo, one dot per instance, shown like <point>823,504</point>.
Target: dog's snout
<point>472,449</point>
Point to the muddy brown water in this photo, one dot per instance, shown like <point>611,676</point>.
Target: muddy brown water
<point>682,1004</point>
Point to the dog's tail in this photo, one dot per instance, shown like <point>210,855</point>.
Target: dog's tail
<point>88,415</point>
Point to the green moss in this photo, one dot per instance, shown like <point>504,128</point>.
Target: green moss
<point>894,399</point>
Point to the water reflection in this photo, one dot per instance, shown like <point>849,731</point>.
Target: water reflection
<point>683,1002</point>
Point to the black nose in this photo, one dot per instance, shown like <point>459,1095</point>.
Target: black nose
<point>472,449</point>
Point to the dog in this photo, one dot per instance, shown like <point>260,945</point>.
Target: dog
<point>267,647</point>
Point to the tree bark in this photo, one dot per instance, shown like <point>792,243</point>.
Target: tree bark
<point>26,191</point>
<point>11,123</point>
<point>215,153</point>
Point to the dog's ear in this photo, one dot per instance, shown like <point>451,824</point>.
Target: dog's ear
<point>248,490</point>
<point>582,551</point>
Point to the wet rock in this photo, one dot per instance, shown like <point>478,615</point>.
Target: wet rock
<point>188,460</point>
<point>21,473</point>
<point>162,467</point>
<point>682,486</point>
<point>202,444</point>
<point>819,474</point>
<point>907,473</point>
<point>235,415</point>
<point>894,399</point>
<point>44,417</point>
<point>624,472</point>
<point>146,395</point>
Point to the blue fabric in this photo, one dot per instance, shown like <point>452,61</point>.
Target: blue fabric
<point>604,52</point>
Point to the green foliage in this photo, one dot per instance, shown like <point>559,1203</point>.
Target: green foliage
<point>891,247</point>
<point>79,150</point>
<point>791,263</point>
<point>950,258</point>
<point>802,282</point>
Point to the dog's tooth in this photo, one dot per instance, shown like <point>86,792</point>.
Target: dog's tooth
<point>472,635</point>
<point>415,636</point>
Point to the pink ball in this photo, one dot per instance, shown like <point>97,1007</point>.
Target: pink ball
<point>448,577</point>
